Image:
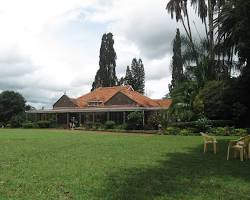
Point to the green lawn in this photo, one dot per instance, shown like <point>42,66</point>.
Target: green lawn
<point>57,164</point>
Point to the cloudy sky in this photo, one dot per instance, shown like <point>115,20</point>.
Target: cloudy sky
<point>48,47</point>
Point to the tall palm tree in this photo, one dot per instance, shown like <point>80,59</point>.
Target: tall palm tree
<point>234,28</point>
<point>179,8</point>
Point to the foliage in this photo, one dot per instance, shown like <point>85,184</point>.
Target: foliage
<point>106,74</point>
<point>171,131</point>
<point>17,120</point>
<point>203,124</point>
<point>193,124</point>
<point>136,76</point>
<point>129,80</point>
<point>134,121</point>
<point>43,124</point>
<point>228,131</point>
<point>181,107</point>
<point>210,100</point>
<point>11,104</point>
<point>157,118</point>
<point>234,28</point>
<point>29,124</point>
<point>109,124</point>
<point>185,132</point>
<point>177,63</point>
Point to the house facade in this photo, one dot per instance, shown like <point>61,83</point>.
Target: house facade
<point>99,106</point>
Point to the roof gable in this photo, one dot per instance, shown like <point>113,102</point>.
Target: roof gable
<point>65,102</point>
<point>120,99</point>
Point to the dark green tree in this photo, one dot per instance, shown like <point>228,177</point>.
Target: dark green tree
<point>11,104</point>
<point>177,62</point>
<point>106,74</point>
<point>138,75</point>
<point>128,77</point>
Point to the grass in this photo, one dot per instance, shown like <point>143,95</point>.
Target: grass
<point>57,164</point>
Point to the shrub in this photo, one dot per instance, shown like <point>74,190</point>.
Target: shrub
<point>240,131</point>
<point>97,125</point>
<point>43,124</point>
<point>203,124</point>
<point>195,124</point>
<point>135,121</point>
<point>172,131</point>
<point>109,124</point>
<point>121,126</point>
<point>225,131</point>
<point>155,119</point>
<point>184,124</point>
<point>52,124</point>
<point>29,124</point>
<point>185,132</point>
<point>219,131</point>
<point>17,120</point>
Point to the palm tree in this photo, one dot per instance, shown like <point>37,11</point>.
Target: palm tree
<point>183,96</point>
<point>234,28</point>
<point>179,8</point>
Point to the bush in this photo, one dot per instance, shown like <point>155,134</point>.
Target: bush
<point>29,124</point>
<point>97,125</point>
<point>195,124</point>
<point>155,119</point>
<point>17,120</point>
<point>203,124</point>
<point>240,131</point>
<point>52,124</point>
<point>121,126</point>
<point>43,124</point>
<point>185,132</point>
<point>172,131</point>
<point>225,131</point>
<point>135,121</point>
<point>220,131</point>
<point>109,124</point>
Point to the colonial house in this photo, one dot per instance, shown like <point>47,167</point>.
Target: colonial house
<point>99,106</point>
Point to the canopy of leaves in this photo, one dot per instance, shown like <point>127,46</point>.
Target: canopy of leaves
<point>11,104</point>
<point>106,74</point>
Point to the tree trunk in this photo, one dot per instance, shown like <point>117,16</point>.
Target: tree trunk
<point>211,39</point>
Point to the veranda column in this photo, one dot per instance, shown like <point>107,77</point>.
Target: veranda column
<point>56,119</point>
<point>93,117</point>
<point>124,117</point>
<point>67,120</point>
<point>80,119</point>
<point>107,116</point>
<point>143,118</point>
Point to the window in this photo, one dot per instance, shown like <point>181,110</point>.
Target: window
<point>94,103</point>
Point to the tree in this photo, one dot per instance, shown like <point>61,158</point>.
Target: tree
<point>183,96</point>
<point>106,74</point>
<point>179,8</point>
<point>212,98</point>
<point>177,63</point>
<point>233,23</point>
<point>11,104</point>
<point>128,77</point>
<point>138,75</point>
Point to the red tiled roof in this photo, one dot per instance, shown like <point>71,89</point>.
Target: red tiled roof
<point>103,94</point>
<point>164,102</point>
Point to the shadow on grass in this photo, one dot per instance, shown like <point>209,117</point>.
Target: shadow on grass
<point>191,175</point>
